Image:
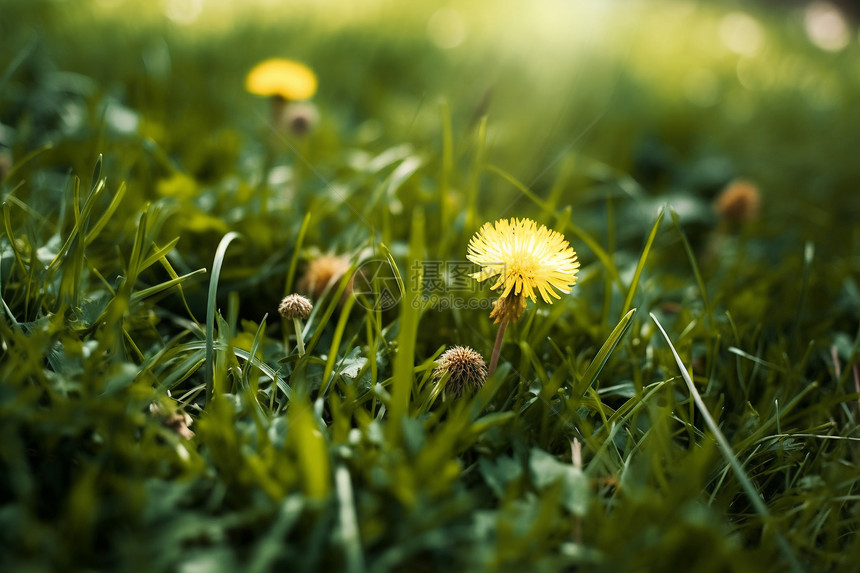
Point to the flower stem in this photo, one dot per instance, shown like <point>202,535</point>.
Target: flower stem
<point>300,343</point>
<point>497,347</point>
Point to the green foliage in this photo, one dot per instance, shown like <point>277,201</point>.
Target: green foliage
<point>139,200</point>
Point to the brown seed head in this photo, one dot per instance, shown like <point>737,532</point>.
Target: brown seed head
<point>738,203</point>
<point>508,309</point>
<point>295,306</point>
<point>324,270</point>
<point>466,367</point>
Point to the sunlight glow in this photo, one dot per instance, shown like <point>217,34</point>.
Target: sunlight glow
<point>446,28</point>
<point>183,11</point>
<point>826,26</point>
<point>741,33</point>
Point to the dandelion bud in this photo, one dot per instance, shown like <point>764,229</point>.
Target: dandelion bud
<point>466,369</point>
<point>738,203</point>
<point>508,309</point>
<point>295,306</point>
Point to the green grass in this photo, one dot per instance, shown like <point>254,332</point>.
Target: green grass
<point>692,404</point>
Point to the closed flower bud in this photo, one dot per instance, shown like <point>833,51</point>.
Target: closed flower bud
<point>295,306</point>
<point>738,203</point>
<point>465,368</point>
<point>508,309</point>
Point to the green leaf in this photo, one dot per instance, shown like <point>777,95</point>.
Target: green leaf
<point>498,473</point>
<point>120,378</point>
<point>352,363</point>
<point>547,470</point>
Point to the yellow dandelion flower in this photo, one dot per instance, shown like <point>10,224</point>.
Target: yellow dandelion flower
<point>526,258</point>
<point>284,78</point>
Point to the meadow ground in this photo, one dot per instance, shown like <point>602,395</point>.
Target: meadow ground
<point>690,405</point>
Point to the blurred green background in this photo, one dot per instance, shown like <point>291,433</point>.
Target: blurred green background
<point>682,96</point>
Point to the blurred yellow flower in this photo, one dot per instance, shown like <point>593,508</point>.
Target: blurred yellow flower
<point>323,270</point>
<point>527,258</point>
<point>280,77</point>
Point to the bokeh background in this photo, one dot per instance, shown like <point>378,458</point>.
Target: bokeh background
<point>681,96</point>
<point>586,116</point>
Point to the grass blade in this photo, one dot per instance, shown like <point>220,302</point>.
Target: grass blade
<point>335,344</point>
<point>348,521</point>
<point>270,373</point>
<point>210,310</point>
<point>147,292</point>
<point>333,302</point>
<point>255,346</point>
<point>19,59</point>
<point>157,254</point>
<point>692,257</point>
<point>106,216</point>
<point>593,370</point>
<point>311,448</point>
<point>288,284</point>
<point>598,251</point>
<point>6,308</point>
<point>7,226</point>
<point>26,159</point>
<point>404,362</point>
<point>397,276</point>
<point>635,282</point>
<point>729,454</point>
<point>522,188</point>
<point>808,257</point>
